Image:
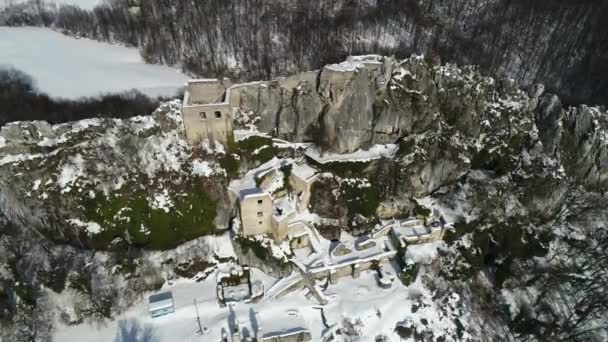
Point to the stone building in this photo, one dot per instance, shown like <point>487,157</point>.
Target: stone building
<point>269,207</point>
<point>206,113</point>
<point>256,211</point>
<point>416,230</point>
<point>301,178</point>
<point>272,326</point>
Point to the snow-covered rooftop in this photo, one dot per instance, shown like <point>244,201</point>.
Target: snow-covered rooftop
<point>248,182</point>
<point>159,301</point>
<point>303,171</point>
<point>203,80</point>
<point>411,229</point>
<point>281,323</point>
<point>326,255</point>
<point>236,293</point>
<point>251,193</point>
<point>282,208</point>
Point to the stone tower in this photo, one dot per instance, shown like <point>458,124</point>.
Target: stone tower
<point>206,111</point>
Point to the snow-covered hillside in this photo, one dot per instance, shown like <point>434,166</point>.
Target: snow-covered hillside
<point>96,215</point>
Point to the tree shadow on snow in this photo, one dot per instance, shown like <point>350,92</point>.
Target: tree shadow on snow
<point>132,331</point>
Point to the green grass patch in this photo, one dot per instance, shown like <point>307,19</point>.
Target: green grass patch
<point>286,169</point>
<point>409,274</point>
<point>265,154</point>
<point>247,146</point>
<point>25,292</point>
<point>253,142</point>
<point>130,217</point>
<point>248,244</point>
<point>229,163</point>
<point>421,210</point>
<point>230,141</point>
<point>362,200</point>
<point>344,169</point>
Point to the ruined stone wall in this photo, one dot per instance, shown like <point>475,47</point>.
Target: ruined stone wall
<point>299,337</point>
<point>207,91</point>
<point>298,242</point>
<point>302,190</point>
<point>210,121</point>
<point>280,227</point>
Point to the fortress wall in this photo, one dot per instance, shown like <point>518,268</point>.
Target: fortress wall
<point>207,91</point>
<point>280,228</point>
<point>301,187</point>
<point>264,98</point>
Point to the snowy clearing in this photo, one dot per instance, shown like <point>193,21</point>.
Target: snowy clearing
<point>352,299</point>
<point>70,68</point>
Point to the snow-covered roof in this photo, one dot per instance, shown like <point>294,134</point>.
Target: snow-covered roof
<point>324,258</point>
<point>411,231</point>
<point>247,182</point>
<point>270,180</point>
<point>282,208</point>
<point>414,228</point>
<point>296,230</point>
<point>304,172</point>
<point>284,323</point>
<point>236,293</point>
<point>160,301</point>
<point>242,134</point>
<point>252,193</point>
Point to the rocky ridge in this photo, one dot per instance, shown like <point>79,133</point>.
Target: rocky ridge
<point>522,176</point>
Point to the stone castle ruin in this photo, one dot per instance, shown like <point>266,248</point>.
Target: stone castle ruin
<point>206,112</point>
<point>288,107</point>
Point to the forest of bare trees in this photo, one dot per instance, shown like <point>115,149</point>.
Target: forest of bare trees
<point>530,41</point>
<point>21,101</point>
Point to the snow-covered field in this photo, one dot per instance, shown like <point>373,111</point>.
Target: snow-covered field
<point>67,67</point>
<point>374,311</point>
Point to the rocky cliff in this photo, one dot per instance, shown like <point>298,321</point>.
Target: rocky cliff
<point>522,177</point>
<point>447,120</point>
